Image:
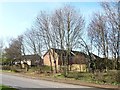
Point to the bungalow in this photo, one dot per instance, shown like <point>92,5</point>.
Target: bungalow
<point>77,60</point>
<point>31,60</point>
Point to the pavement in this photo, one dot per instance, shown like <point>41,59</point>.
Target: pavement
<point>23,83</point>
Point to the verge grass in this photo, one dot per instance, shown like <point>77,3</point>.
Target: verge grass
<point>3,87</point>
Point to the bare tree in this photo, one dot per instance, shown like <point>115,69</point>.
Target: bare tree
<point>112,14</point>
<point>13,52</point>
<point>67,24</point>
<point>1,49</point>
<point>30,41</point>
<point>104,31</point>
<point>61,29</point>
<point>43,27</point>
<point>98,32</point>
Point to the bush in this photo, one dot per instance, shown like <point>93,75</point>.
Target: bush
<point>32,69</point>
<point>64,71</point>
<point>6,67</point>
<point>72,75</point>
<point>12,68</point>
<point>80,75</point>
<point>15,68</point>
<point>113,76</point>
<point>40,69</point>
<point>46,68</point>
<point>99,77</point>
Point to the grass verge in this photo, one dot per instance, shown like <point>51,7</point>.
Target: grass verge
<point>3,87</point>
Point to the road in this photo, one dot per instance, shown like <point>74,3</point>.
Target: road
<point>22,82</point>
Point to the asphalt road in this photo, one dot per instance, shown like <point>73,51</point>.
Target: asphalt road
<point>22,82</point>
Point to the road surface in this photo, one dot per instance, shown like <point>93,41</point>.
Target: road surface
<point>22,82</point>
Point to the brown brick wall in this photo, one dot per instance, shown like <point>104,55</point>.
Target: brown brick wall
<point>46,59</point>
<point>76,66</point>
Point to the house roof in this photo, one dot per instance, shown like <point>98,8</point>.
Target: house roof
<point>74,60</point>
<point>81,57</point>
<point>32,57</point>
<point>59,51</point>
<point>94,56</point>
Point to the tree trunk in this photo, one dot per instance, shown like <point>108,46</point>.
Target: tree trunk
<point>50,62</point>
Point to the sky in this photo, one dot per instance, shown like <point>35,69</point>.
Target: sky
<point>16,17</point>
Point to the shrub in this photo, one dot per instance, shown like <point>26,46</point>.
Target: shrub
<point>64,71</point>
<point>80,75</point>
<point>99,77</point>
<point>72,75</point>
<point>6,67</point>
<point>37,70</point>
<point>46,68</point>
<point>113,76</point>
<point>14,68</point>
<point>32,69</point>
<point>40,69</point>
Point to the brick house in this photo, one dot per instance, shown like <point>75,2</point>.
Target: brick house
<point>77,60</point>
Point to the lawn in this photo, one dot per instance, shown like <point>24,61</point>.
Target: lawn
<point>3,87</point>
